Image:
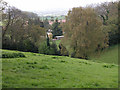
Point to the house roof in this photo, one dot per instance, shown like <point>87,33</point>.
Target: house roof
<point>59,36</point>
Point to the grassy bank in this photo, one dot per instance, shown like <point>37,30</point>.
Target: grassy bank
<point>43,71</point>
<point>110,55</point>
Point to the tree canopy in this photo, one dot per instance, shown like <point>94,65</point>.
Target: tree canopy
<point>83,32</point>
<point>57,30</point>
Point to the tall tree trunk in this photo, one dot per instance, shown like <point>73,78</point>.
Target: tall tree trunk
<point>6,27</point>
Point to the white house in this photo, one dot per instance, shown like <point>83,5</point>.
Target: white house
<point>59,37</point>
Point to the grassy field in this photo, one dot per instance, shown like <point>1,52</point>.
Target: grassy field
<point>110,55</point>
<point>47,71</point>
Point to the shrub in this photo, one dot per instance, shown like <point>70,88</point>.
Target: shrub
<point>63,50</point>
<point>12,55</point>
<point>73,55</point>
<point>53,49</point>
<point>24,45</point>
<point>43,48</point>
<point>29,46</point>
<point>49,50</point>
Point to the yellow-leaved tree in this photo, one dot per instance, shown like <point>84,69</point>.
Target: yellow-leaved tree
<point>84,35</point>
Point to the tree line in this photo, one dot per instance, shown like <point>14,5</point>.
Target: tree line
<point>21,30</point>
<point>88,31</point>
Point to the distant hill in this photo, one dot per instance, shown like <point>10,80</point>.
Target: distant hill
<point>52,17</point>
<point>52,13</point>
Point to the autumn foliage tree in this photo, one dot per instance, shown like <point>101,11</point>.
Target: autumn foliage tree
<point>84,35</point>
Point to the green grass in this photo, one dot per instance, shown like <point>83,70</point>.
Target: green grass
<point>110,55</point>
<point>47,71</point>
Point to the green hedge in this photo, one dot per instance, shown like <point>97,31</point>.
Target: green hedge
<point>12,55</point>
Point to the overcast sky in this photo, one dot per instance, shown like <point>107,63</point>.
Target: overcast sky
<point>44,5</point>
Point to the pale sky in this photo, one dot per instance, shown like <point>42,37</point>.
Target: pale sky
<point>44,5</point>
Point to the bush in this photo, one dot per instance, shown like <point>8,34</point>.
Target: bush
<point>63,50</point>
<point>29,46</point>
<point>43,48</point>
<point>53,49</point>
<point>12,55</point>
<point>24,45</point>
<point>49,50</point>
<point>73,55</point>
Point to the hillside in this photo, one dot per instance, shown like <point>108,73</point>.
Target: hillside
<point>43,71</point>
<point>61,17</point>
<point>110,55</point>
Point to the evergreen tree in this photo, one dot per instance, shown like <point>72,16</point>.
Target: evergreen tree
<point>57,30</point>
<point>46,24</point>
<point>48,42</point>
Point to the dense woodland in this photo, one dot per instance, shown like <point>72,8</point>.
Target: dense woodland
<point>92,29</point>
<point>88,30</point>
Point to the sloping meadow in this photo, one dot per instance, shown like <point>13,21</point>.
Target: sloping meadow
<point>47,71</point>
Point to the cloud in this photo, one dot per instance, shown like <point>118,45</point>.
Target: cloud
<point>44,5</point>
